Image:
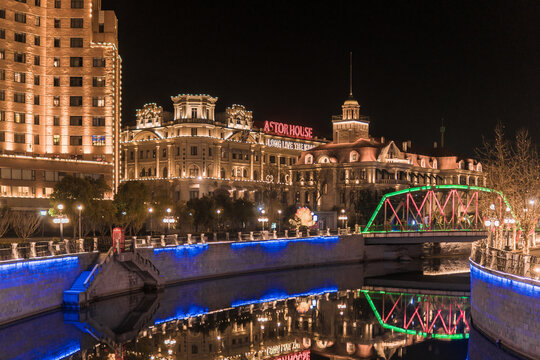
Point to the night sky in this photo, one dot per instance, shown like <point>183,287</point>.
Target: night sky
<point>472,63</point>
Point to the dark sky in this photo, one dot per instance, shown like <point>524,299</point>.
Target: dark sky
<point>472,63</point>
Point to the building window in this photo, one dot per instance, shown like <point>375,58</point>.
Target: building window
<point>37,60</point>
<point>37,40</point>
<point>2,74</point>
<point>19,98</point>
<point>194,113</point>
<point>20,17</point>
<point>19,37</point>
<point>193,150</point>
<point>37,2</point>
<point>98,101</point>
<point>75,140</point>
<point>56,81</point>
<point>19,57</point>
<point>56,120</point>
<point>98,140</point>
<point>2,115</point>
<point>2,13</point>
<point>76,42</point>
<point>2,54</point>
<point>57,4</point>
<point>36,119</point>
<point>19,138</point>
<point>2,33</point>
<point>56,42</point>
<point>19,118</point>
<point>272,159</point>
<point>57,23</point>
<point>56,101</point>
<point>76,61</point>
<point>36,99</point>
<point>75,101</point>
<point>76,23</point>
<point>37,21</point>
<point>101,28</point>
<point>36,79</point>
<point>164,153</point>
<point>56,62</point>
<point>98,62</point>
<point>193,131</point>
<point>77,4</point>
<point>98,81</point>
<point>36,139</point>
<point>2,95</point>
<point>75,81</point>
<point>56,139</point>
<point>2,136</point>
<point>98,121</point>
<point>75,120</point>
<point>193,194</point>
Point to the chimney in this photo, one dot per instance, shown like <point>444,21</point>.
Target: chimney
<point>434,144</point>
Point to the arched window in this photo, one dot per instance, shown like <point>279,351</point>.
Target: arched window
<point>353,157</point>
<point>143,172</point>
<point>222,173</point>
<point>309,159</point>
<point>193,171</point>
<point>435,163</point>
<point>245,173</point>
<point>324,160</point>
<point>479,167</point>
<point>165,173</point>
<point>255,175</point>
<point>423,163</point>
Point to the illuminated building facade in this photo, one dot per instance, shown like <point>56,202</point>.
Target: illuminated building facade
<point>196,151</point>
<point>333,175</point>
<point>60,91</point>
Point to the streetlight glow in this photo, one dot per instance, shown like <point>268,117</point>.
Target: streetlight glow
<point>60,207</point>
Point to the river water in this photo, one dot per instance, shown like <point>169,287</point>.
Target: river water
<point>384,310</point>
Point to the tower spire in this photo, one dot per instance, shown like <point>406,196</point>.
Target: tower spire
<point>442,132</point>
<point>350,74</point>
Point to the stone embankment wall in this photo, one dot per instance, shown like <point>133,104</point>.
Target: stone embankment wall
<point>506,308</point>
<point>34,286</point>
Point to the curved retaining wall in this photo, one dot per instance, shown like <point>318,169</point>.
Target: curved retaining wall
<point>506,307</point>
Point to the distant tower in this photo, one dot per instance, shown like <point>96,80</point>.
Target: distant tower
<point>442,132</point>
<point>350,125</point>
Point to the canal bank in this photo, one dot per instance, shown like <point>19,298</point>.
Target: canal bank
<point>30,287</point>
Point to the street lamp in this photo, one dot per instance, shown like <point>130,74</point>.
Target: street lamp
<point>150,210</point>
<point>61,219</point>
<point>42,213</point>
<point>80,228</point>
<point>169,220</point>
<point>279,219</point>
<point>343,217</point>
<point>262,220</point>
<point>218,212</point>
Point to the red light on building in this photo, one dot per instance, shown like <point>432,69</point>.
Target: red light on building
<point>294,131</point>
<point>299,355</point>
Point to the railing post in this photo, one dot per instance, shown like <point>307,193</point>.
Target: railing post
<point>189,238</point>
<point>286,234</point>
<point>162,240</point>
<point>227,236</point>
<point>66,242</point>
<point>14,251</point>
<point>527,265</point>
<point>203,239</point>
<point>275,234</point>
<point>175,237</point>
<point>33,249</point>
<point>95,244</point>
<point>215,236</point>
<point>81,245</point>
<point>327,231</point>
<point>239,236</point>
<point>51,248</point>
<point>147,241</point>
<point>251,236</point>
<point>298,234</point>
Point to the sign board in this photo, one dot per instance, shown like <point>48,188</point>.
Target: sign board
<point>300,355</point>
<point>285,144</point>
<point>289,130</point>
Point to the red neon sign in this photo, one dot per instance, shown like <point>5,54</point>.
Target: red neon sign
<point>301,355</point>
<point>294,131</point>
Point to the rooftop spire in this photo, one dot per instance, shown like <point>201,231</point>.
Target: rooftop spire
<point>350,74</point>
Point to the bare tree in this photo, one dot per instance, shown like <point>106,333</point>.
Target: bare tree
<point>25,223</point>
<point>320,180</point>
<point>513,168</point>
<point>5,221</point>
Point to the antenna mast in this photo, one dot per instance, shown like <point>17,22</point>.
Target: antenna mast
<point>350,74</point>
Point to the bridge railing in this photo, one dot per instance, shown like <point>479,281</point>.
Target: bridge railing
<point>509,262</point>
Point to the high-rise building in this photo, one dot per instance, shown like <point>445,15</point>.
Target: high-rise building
<point>60,96</point>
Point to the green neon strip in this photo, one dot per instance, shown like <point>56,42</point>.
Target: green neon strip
<point>409,332</point>
<point>435,187</point>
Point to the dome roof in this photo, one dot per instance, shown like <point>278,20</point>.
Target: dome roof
<point>350,101</point>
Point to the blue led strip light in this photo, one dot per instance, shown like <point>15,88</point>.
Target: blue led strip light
<point>38,263</point>
<point>279,243</point>
<point>503,281</point>
<point>192,250</point>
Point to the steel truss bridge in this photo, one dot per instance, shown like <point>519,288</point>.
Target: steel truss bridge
<point>435,208</point>
<point>427,315</point>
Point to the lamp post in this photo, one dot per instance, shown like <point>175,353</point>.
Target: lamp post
<point>61,219</point>
<point>80,227</point>
<point>279,220</point>
<point>168,220</point>
<point>343,217</point>
<point>262,219</point>
<point>43,213</point>
<point>218,212</point>
<point>150,210</point>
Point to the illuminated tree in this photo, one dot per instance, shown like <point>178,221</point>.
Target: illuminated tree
<point>5,220</point>
<point>131,205</point>
<point>25,223</point>
<point>513,168</point>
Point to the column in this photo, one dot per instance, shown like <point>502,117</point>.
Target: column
<point>251,163</point>
<point>170,164</point>
<point>218,161</point>
<point>125,163</point>
<point>136,162</point>
<point>157,161</point>
<point>262,165</point>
